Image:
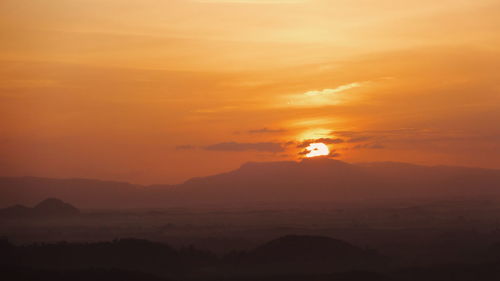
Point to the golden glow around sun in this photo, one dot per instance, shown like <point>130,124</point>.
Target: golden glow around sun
<point>317,149</point>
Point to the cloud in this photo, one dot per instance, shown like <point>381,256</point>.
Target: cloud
<point>266,131</point>
<point>306,143</point>
<point>304,152</point>
<point>237,146</point>
<point>319,98</point>
<point>369,146</point>
<point>334,90</point>
<point>345,133</point>
<point>185,147</point>
<point>377,136</point>
<point>377,133</point>
<point>359,139</point>
<point>333,153</point>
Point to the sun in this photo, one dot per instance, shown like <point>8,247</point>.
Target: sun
<point>317,149</point>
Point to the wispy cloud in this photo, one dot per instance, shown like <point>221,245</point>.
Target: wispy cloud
<point>266,131</point>
<point>333,153</point>
<point>369,146</point>
<point>238,146</point>
<point>318,98</point>
<point>338,89</point>
<point>306,143</point>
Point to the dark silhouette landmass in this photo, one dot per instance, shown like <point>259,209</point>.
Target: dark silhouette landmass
<point>51,207</point>
<point>391,221</point>
<point>286,258</point>
<point>81,192</point>
<point>310,180</point>
<point>307,254</point>
<point>285,255</point>
<point>16,273</point>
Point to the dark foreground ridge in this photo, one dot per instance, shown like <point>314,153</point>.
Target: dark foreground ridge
<point>290,258</point>
<point>289,254</point>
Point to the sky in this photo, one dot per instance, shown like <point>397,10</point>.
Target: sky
<point>150,91</point>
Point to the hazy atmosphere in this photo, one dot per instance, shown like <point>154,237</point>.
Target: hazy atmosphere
<point>162,91</point>
<point>250,140</point>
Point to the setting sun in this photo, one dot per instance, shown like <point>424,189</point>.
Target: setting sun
<point>317,149</point>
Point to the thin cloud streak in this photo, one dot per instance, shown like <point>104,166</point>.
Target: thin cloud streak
<point>236,146</point>
<point>320,98</point>
<point>339,89</point>
<point>266,131</point>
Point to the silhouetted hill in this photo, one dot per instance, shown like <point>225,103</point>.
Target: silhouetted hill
<point>52,207</point>
<point>81,192</point>
<point>306,181</point>
<point>55,207</point>
<point>310,180</point>
<point>327,180</point>
<point>308,248</point>
<point>286,255</point>
<point>307,254</point>
<point>289,258</point>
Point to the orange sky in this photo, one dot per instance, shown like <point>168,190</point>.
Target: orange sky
<point>160,91</point>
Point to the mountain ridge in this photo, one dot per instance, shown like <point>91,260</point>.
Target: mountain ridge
<point>316,179</point>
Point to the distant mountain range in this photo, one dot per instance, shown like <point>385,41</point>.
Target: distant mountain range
<point>310,180</point>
